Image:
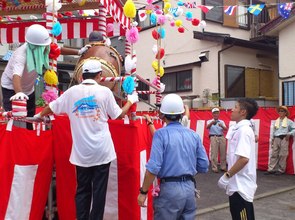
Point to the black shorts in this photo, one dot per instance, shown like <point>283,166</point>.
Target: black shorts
<point>240,209</point>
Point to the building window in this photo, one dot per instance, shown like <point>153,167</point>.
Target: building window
<point>143,87</point>
<point>180,81</point>
<point>147,22</point>
<point>239,20</point>
<point>234,81</point>
<point>248,82</point>
<point>289,93</point>
<point>216,13</point>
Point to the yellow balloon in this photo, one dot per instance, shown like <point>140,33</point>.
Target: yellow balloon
<point>167,5</point>
<point>161,71</point>
<point>155,65</point>
<point>129,9</point>
<point>148,12</point>
<point>178,23</point>
<point>50,78</point>
<point>166,0</point>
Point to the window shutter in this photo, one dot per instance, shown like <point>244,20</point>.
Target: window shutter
<point>252,82</point>
<point>230,20</point>
<point>266,83</point>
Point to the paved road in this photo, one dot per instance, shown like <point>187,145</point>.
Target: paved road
<point>280,206</point>
<point>274,198</point>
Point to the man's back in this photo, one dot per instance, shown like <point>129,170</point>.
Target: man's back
<point>179,150</point>
<point>88,106</point>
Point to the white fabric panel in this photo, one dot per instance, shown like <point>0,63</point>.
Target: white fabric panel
<point>76,30</point>
<point>21,194</point>
<point>89,28</point>
<point>112,203</point>
<point>3,35</point>
<point>64,31</point>
<point>200,129</point>
<point>116,31</point>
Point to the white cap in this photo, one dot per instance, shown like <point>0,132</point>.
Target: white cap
<point>215,110</point>
<point>91,66</point>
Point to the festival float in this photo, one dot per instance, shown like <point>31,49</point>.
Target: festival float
<point>32,159</point>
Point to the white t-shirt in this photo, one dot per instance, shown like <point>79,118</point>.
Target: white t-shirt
<point>17,65</point>
<point>88,108</point>
<point>242,143</point>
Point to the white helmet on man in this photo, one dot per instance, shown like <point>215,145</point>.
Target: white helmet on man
<point>172,104</point>
<point>38,35</point>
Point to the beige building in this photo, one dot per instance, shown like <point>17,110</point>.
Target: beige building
<point>283,29</point>
<point>219,62</point>
<point>213,64</point>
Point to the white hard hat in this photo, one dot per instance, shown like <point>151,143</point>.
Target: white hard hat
<point>91,66</point>
<point>215,110</point>
<point>38,35</point>
<point>172,104</point>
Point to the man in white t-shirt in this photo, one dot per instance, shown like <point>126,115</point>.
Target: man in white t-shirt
<point>89,105</point>
<point>240,179</point>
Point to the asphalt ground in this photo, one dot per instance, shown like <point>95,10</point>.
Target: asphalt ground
<point>274,198</point>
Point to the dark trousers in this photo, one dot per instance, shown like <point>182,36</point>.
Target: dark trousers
<point>92,186</point>
<point>7,93</point>
<point>240,209</point>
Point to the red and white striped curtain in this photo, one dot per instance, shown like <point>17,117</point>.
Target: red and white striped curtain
<point>74,28</point>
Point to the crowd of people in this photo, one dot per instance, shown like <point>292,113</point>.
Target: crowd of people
<point>177,153</point>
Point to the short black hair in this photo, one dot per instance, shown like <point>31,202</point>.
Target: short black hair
<point>173,117</point>
<point>250,105</point>
<point>89,75</point>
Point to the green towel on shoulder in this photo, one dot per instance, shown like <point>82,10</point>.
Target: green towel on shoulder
<point>37,57</point>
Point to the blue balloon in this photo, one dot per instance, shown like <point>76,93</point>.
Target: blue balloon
<point>128,85</point>
<point>153,19</point>
<point>56,29</point>
<point>180,3</point>
<point>162,32</point>
<point>189,15</point>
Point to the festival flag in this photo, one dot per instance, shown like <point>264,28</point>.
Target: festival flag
<point>190,4</point>
<point>285,9</point>
<point>256,9</point>
<point>142,15</point>
<point>230,10</point>
<point>205,8</point>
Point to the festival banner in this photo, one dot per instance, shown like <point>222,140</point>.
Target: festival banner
<point>26,162</point>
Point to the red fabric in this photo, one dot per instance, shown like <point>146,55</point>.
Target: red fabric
<point>65,171</point>
<point>129,141</point>
<point>266,116</point>
<point>23,147</point>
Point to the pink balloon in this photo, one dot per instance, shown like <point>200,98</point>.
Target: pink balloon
<point>132,35</point>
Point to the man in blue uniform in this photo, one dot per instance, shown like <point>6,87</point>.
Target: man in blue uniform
<point>177,155</point>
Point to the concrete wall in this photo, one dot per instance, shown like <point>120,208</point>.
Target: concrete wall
<point>286,51</point>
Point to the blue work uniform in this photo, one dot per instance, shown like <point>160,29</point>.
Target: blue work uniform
<point>176,151</point>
